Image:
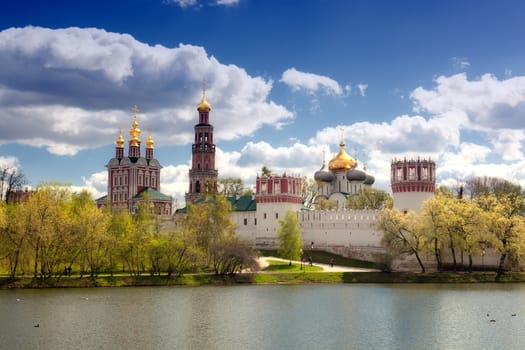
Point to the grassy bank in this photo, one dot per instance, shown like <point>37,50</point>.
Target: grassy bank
<point>261,278</point>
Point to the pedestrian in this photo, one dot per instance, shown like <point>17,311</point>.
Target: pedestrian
<point>332,262</point>
<point>310,260</point>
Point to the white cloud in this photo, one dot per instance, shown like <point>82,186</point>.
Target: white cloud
<point>183,3</point>
<point>362,89</point>
<point>310,82</point>
<point>227,2</point>
<point>70,89</point>
<point>9,162</point>
<point>508,143</point>
<point>460,63</point>
<point>491,106</point>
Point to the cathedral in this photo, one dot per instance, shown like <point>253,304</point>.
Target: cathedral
<point>134,178</point>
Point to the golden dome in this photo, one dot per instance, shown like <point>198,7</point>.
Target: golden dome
<point>204,106</point>
<point>149,141</point>
<point>342,161</point>
<point>120,140</point>
<point>134,132</point>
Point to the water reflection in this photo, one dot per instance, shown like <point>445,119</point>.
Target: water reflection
<point>266,317</point>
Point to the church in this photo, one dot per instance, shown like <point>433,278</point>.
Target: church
<point>135,178</point>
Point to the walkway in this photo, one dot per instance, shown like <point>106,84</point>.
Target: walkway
<point>263,263</point>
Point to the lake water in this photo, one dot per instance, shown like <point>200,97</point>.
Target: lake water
<point>338,316</point>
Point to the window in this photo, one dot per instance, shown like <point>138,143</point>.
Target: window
<point>411,173</point>
<point>245,221</point>
<point>277,215</point>
<point>264,216</point>
<point>255,221</point>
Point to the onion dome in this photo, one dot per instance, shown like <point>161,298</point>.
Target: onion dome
<point>323,175</point>
<point>134,132</point>
<point>369,180</point>
<point>120,140</point>
<point>204,106</point>
<point>355,174</point>
<point>149,141</point>
<point>342,161</point>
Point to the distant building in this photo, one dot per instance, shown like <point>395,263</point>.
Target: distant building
<point>133,177</point>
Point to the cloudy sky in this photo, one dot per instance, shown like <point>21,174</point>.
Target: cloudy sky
<point>438,79</point>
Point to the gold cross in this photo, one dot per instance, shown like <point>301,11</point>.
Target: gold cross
<point>135,110</point>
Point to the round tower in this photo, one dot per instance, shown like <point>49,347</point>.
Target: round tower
<point>413,182</point>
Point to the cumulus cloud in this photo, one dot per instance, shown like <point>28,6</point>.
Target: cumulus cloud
<point>491,106</point>
<point>310,82</point>
<point>69,89</point>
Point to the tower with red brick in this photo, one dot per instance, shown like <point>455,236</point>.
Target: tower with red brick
<point>202,175</point>
<point>413,181</point>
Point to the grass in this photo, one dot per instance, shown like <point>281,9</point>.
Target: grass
<point>284,266</point>
<point>322,257</point>
<point>285,276</point>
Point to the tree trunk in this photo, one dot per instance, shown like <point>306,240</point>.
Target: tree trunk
<point>437,254</point>
<point>419,261</point>
<point>501,265</point>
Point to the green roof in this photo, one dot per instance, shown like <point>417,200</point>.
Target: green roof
<point>152,195</point>
<point>241,203</point>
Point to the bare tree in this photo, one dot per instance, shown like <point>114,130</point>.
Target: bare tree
<point>11,180</point>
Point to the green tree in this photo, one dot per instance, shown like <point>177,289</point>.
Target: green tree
<point>370,198</point>
<point>323,203</point>
<point>402,234</point>
<point>289,233</point>
<point>310,189</point>
<point>209,222</point>
<point>505,223</point>
<point>266,171</point>
<point>230,186</point>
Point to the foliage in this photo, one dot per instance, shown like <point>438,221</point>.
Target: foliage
<point>402,234</point>
<point>370,198</point>
<point>322,203</point>
<point>230,186</point>
<point>266,171</point>
<point>289,234</point>
<point>310,189</point>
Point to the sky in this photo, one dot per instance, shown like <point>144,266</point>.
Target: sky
<point>285,78</point>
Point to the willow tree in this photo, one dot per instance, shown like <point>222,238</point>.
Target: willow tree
<point>403,234</point>
<point>289,233</point>
<point>506,226</point>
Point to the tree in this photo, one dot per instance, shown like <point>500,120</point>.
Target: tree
<point>230,186</point>
<point>209,222</point>
<point>310,190</point>
<point>289,233</point>
<point>11,180</point>
<point>370,198</point>
<point>266,171</point>
<point>402,234</point>
<point>506,226</point>
<point>323,203</point>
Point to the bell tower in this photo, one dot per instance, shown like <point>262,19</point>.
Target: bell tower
<point>202,175</point>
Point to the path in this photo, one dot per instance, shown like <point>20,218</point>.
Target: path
<point>263,263</point>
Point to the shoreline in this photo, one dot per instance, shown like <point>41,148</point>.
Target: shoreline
<point>260,278</point>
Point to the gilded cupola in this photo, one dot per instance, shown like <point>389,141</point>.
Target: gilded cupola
<point>134,132</point>
<point>342,161</point>
<point>149,141</point>
<point>204,106</point>
<point>120,140</point>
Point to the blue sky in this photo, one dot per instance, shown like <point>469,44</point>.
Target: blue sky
<point>439,79</point>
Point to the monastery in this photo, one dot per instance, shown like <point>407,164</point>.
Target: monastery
<point>343,231</point>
